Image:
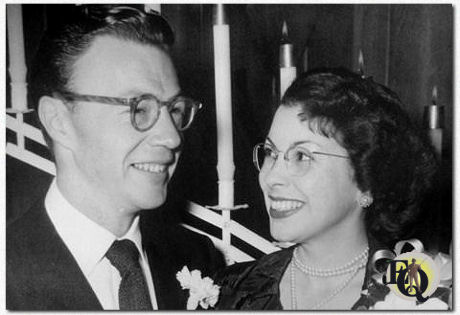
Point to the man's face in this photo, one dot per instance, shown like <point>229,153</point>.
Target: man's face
<point>124,168</point>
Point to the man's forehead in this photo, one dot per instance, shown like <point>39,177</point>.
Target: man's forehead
<point>116,65</point>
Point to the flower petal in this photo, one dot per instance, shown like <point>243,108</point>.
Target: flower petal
<point>202,291</point>
<point>192,303</point>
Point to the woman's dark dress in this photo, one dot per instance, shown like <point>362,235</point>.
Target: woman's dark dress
<point>255,285</point>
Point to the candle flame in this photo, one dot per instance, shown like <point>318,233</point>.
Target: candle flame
<point>434,95</point>
<point>305,59</point>
<point>219,16</point>
<point>361,63</point>
<point>284,31</point>
<point>274,92</point>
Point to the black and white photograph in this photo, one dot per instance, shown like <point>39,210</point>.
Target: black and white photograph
<point>229,156</point>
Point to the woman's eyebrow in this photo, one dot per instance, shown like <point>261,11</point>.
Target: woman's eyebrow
<point>296,143</point>
<point>301,142</point>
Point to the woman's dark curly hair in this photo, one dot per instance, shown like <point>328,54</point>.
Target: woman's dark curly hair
<point>390,156</point>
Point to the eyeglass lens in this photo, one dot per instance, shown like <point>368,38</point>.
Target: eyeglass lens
<point>147,113</point>
<point>298,159</point>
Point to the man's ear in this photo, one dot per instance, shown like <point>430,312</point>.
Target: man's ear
<point>55,118</point>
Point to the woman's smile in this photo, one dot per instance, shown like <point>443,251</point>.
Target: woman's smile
<point>283,208</point>
<point>320,202</point>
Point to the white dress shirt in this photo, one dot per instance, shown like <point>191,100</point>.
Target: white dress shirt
<point>88,242</point>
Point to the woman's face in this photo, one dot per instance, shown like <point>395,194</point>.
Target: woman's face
<point>323,202</point>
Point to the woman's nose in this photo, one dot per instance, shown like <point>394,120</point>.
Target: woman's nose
<point>275,174</point>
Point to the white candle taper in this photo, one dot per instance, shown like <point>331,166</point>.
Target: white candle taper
<point>288,71</point>
<point>434,118</point>
<point>17,67</point>
<point>152,7</point>
<point>225,166</point>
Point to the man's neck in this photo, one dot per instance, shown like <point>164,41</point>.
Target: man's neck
<point>96,207</point>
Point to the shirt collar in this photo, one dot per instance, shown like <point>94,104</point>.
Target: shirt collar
<point>87,241</point>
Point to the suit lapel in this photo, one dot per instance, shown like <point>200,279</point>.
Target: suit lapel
<point>58,272</point>
<point>164,257</point>
<point>169,294</point>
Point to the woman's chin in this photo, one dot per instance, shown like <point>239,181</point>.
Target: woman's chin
<point>282,236</point>
<point>283,230</point>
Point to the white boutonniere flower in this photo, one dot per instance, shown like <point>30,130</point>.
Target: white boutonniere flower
<point>203,291</point>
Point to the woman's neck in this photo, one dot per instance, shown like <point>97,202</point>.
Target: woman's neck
<point>330,250</point>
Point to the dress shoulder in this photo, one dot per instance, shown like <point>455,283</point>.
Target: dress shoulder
<point>253,285</point>
<point>231,275</point>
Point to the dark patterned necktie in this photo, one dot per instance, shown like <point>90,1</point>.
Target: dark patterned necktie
<point>133,293</point>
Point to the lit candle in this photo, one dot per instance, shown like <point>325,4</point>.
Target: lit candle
<point>225,166</point>
<point>288,71</point>
<point>361,64</point>
<point>305,59</point>
<point>434,119</point>
<point>17,67</point>
<point>274,94</point>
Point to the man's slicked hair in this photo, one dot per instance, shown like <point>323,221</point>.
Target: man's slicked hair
<point>62,46</point>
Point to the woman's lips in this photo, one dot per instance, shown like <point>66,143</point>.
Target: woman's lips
<point>283,208</point>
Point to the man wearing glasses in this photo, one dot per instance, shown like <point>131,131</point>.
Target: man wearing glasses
<point>110,106</point>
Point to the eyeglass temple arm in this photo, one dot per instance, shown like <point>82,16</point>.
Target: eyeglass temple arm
<point>332,154</point>
<point>254,155</point>
<point>99,99</point>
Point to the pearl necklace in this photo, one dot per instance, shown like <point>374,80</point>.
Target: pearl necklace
<point>334,293</point>
<point>316,272</point>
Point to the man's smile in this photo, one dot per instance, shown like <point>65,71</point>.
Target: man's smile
<point>151,167</point>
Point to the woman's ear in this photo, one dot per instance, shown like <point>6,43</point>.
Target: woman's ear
<point>55,117</point>
<point>365,199</point>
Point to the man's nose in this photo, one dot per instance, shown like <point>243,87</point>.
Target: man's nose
<point>165,132</point>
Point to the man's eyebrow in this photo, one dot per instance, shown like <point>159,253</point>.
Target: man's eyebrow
<point>133,93</point>
<point>179,93</point>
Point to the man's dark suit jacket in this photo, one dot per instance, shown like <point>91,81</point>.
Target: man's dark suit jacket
<point>41,273</point>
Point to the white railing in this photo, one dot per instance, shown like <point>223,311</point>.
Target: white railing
<point>23,130</point>
<point>202,213</point>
